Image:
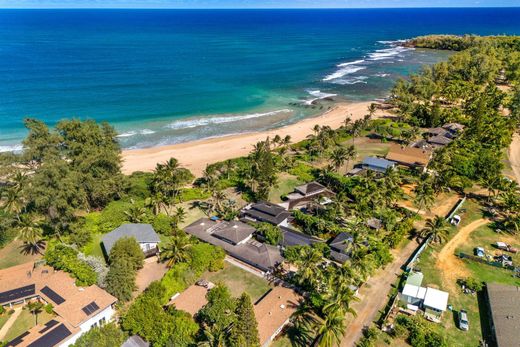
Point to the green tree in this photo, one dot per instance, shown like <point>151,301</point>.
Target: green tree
<point>35,307</point>
<point>438,229</point>
<point>176,250</point>
<point>120,280</point>
<point>424,195</point>
<point>220,310</point>
<point>244,331</point>
<point>108,335</point>
<point>184,329</point>
<point>127,249</point>
<point>32,236</point>
<point>271,233</point>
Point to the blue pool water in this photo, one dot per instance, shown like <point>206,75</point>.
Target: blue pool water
<point>168,76</point>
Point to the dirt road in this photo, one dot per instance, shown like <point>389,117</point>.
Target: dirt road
<point>374,294</point>
<point>514,156</point>
<point>447,262</point>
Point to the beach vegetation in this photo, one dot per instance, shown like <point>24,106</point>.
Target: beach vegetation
<point>107,335</point>
<point>66,258</point>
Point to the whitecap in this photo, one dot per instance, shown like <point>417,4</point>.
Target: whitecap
<point>347,70</point>
<point>192,123</point>
<point>11,148</point>
<point>133,133</point>
<point>387,53</point>
<point>318,95</point>
<point>355,62</point>
<point>350,81</point>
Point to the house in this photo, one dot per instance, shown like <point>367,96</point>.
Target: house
<point>410,157</point>
<point>440,137</point>
<point>292,237</point>
<point>377,164</point>
<point>236,239</point>
<point>273,312</point>
<point>135,341</point>
<point>339,247</point>
<point>433,301</point>
<point>454,128</point>
<point>77,309</point>
<point>374,223</point>
<point>504,306</point>
<point>143,233</point>
<point>267,212</point>
<point>306,193</point>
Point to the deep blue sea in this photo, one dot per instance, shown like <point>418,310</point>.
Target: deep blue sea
<point>169,76</point>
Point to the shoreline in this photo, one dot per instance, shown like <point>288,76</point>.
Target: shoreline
<point>195,155</point>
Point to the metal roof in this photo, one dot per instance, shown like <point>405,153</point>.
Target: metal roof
<point>143,233</point>
<point>378,163</point>
<point>504,302</point>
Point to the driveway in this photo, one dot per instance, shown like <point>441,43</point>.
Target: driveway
<point>374,295</point>
<point>151,271</point>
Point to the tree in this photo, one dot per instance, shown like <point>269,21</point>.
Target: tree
<point>32,236</point>
<point>262,173</point>
<point>184,329</point>
<point>338,157</point>
<point>168,178</point>
<point>120,280</point>
<point>176,250</point>
<point>219,312</point>
<point>35,307</point>
<point>424,195</point>
<point>127,249</point>
<point>271,233</point>
<point>330,329</point>
<point>136,213</point>
<point>108,335</point>
<point>438,229</point>
<point>244,331</point>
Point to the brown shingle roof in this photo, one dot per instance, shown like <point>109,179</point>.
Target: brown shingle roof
<point>274,310</point>
<point>409,156</point>
<point>191,300</point>
<point>504,302</point>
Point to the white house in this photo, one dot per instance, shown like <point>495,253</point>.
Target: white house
<point>433,301</point>
<point>77,309</point>
<point>144,234</point>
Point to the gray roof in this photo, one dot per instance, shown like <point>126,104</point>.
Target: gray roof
<point>379,164</point>
<point>504,302</point>
<point>310,188</point>
<point>234,232</point>
<point>340,242</point>
<point>266,212</point>
<point>292,237</point>
<point>135,341</point>
<point>439,140</point>
<point>143,233</point>
<point>252,252</point>
<point>375,223</point>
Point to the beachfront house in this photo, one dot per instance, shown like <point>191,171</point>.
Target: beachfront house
<point>144,234</point>
<point>377,164</point>
<point>432,301</point>
<point>76,309</point>
<point>307,193</point>
<point>236,239</point>
<point>340,247</point>
<point>267,212</point>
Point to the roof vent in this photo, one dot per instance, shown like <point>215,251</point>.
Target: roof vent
<point>282,306</point>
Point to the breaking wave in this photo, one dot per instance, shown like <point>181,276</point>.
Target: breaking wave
<point>134,132</point>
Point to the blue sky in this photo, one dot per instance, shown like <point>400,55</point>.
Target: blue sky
<point>252,3</point>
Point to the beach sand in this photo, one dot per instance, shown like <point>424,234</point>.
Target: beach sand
<point>196,155</point>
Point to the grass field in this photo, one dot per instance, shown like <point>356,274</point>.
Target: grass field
<point>10,255</point>
<point>239,281</point>
<point>26,321</point>
<point>94,246</point>
<point>286,184</point>
<point>3,318</point>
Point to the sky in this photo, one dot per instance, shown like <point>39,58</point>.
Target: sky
<point>253,3</point>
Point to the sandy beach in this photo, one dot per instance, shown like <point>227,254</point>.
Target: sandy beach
<point>197,154</point>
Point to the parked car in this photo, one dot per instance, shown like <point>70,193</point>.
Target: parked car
<point>480,252</point>
<point>455,220</point>
<point>463,320</point>
<point>505,247</point>
<point>504,259</point>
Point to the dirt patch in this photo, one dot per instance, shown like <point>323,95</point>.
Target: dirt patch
<point>451,267</point>
<point>151,271</point>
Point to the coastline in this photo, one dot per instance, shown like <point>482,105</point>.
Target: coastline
<point>195,155</point>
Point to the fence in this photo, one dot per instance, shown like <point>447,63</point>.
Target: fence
<point>485,261</point>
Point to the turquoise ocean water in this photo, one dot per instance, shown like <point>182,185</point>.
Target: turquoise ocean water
<point>170,76</point>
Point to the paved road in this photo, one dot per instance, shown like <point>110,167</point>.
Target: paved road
<point>374,295</point>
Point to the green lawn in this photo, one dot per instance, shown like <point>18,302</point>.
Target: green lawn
<point>3,318</point>
<point>10,255</point>
<point>24,322</point>
<point>239,281</point>
<point>94,246</point>
<point>286,184</point>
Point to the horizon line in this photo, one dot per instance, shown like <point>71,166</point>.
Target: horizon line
<point>253,8</point>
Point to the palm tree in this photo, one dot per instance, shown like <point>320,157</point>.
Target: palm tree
<point>329,330</point>
<point>277,139</point>
<point>338,156</point>
<point>176,250</point>
<point>340,297</point>
<point>229,166</point>
<point>32,236</point>
<point>35,307</point>
<point>424,195</point>
<point>136,213</point>
<point>438,229</point>
<point>286,140</point>
<point>214,337</point>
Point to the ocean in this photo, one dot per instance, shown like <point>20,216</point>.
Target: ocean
<point>169,76</point>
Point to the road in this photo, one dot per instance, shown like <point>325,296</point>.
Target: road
<point>514,156</point>
<point>374,295</point>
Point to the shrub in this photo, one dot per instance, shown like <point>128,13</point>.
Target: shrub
<point>270,233</point>
<point>113,215</point>
<point>419,333</point>
<point>471,284</point>
<point>206,257</point>
<point>190,194</point>
<point>106,336</point>
<point>127,249</point>
<point>120,280</point>
<point>303,171</point>
<point>63,257</point>
<point>162,224</point>
<point>49,308</point>
<point>138,184</point>
<point>2,310</point>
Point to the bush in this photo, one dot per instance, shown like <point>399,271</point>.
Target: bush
<point>49,308</point>
<point>162,224</point>
<point>2,310</point>
<point>113,215</point>
<point>471,284</point>
<point>303,171</point>
<point>190,194</point>
<point>270,233</point>
<point>206,257</point>
<point>106,336</point>
<point>419,333</point>
<point>138,184</point>
<point>63,257</point>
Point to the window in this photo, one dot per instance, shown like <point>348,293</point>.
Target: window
<point>102,321</point>
<point>93,325</point>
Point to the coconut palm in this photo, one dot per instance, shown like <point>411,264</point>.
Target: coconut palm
<point>31,234</point>
<point>424,195</point>
<point>337,157</point>
<point>176,250</point>
<point>214,337</point>
<point>35,307</point>
<point>329,329</point>
<point>135,213</point>
<point>438,229</point>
